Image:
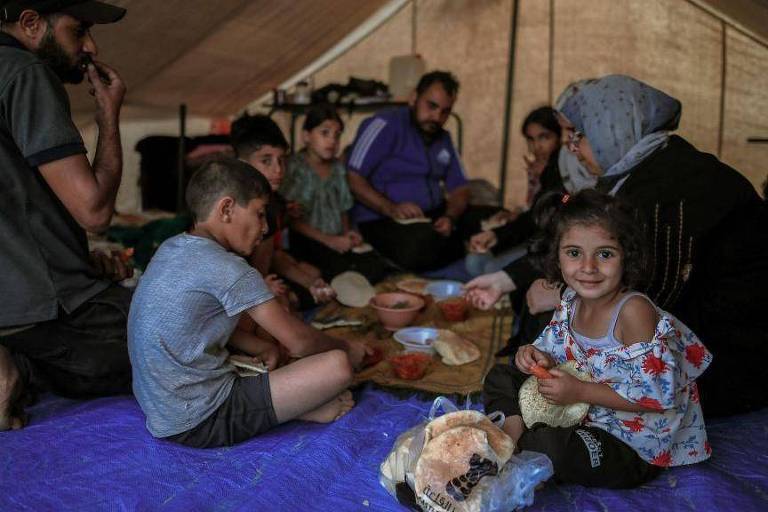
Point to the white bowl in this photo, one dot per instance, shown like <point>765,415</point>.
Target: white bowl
<point>417,339</point>
<point>442,290</point>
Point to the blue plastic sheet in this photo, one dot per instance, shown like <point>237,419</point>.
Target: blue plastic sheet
<point>97,455</point>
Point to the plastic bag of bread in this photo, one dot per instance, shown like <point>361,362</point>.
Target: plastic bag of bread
<point>536,409</point>
<point>461,461</point>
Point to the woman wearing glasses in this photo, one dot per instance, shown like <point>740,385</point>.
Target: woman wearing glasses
<point>705,227</point>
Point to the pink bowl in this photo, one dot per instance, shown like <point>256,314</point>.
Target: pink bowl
<point>396,309</point>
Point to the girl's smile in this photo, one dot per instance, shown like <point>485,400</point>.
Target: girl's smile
<point>591,261</point>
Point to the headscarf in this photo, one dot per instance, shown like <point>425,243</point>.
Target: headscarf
<point>624,119</point>
<point>574,175</point>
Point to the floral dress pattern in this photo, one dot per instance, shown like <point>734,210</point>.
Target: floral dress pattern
<point>659,374</point>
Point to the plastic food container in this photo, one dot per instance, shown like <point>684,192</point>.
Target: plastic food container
<point>417,339</point>
<point>442,290</point>
<point>454,309</point>
<point>410,366</point>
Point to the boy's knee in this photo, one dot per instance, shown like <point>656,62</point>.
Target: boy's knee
<point>340,367</point>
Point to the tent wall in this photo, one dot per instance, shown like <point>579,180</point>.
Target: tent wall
<point>704,52</point>
<point>717,70</point>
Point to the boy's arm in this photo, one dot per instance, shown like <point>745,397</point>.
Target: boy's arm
<point>300,339</point>
<point>285,265</point>
<point>267,351</point>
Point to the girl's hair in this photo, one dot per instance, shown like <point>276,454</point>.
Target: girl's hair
<point>318,114</point>
<point>555,213</point>
<point>544,116</point>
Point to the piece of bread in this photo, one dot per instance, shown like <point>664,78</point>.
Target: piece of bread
<point>413,220</point>
<point>536,409</point>
<point>454,349</point>
<point>451,469</point>
<point>246,366</point>
<point>352,289</point>
<point>362,248</point>
<point>500,442</point>
<point>413,285</point>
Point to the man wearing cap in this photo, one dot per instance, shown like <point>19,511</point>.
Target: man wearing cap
<point>62,323</point>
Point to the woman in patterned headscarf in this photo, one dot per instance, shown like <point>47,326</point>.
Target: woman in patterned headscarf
<point>626,122</point>
<point>705,226</point>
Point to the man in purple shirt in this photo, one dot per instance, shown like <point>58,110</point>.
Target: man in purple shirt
<point>403,166</point>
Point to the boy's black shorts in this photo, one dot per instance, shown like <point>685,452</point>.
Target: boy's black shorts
<point>247,412</point>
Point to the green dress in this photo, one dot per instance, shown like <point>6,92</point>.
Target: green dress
<point>323,200</point>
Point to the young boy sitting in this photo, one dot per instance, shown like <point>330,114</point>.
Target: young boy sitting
<point>258,141</point>
<point>182,323</point>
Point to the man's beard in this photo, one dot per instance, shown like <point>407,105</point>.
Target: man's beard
<point>429,131</point>
<point>54,56</point>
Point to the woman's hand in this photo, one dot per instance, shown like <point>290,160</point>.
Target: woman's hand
<point>482,242</point>
<point>562,389</point>
<point>484,291</point>
<point>528,355</point>
<point>542,296</point>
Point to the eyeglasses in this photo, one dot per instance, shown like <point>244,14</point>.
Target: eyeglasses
<point>573,140</point>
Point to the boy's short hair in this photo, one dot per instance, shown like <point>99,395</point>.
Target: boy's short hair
<point>223,176</point>
<point>445,78</point>
<point>250,133</point>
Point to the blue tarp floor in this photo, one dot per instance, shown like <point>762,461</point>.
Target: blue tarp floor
<point>97,455</point>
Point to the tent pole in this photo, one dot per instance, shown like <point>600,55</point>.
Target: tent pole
<point>508,100</point>
<point>181,157</point>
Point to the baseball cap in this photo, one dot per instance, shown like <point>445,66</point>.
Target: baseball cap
<point>89,11</point>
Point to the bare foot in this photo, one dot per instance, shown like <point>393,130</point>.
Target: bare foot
<point>331,410</point>
<point>11,414</point>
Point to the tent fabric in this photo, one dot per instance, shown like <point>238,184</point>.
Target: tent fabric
<point>217,56</point>
<point>97,455</point>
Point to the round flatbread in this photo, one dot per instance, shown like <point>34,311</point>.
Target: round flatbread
<point>500,442</point>
<point>451,469</point>
<point>454,349</point>
<point>352,289</point>
<point>536,409</point>
<point>413,285</point>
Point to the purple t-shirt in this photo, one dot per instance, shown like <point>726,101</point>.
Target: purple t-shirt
<point>390,153</point>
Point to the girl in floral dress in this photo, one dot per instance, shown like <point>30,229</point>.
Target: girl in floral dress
<point>644,410</point>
